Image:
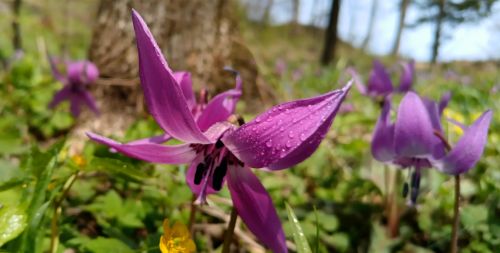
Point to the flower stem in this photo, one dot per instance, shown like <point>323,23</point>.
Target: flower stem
<point>393,206</point>
<point>54,238</point>
<point>192,214</point>
<point>456,216</point>
<point>230,231</point>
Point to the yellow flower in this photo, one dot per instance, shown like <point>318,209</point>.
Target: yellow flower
<point>79,160</point>
<point>176,239</point>
<point>450,114</point>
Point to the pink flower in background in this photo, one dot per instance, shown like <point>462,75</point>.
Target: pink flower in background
<point>77,76</point>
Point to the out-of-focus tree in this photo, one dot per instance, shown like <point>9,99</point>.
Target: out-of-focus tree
<point>401,23</point>
<point>331,34</point>
<point>452,13</point>
<point>295,15</point>
<point>16,27</point>
<point>266,18</point>
<point>371,24</point>
<point>197,36</point>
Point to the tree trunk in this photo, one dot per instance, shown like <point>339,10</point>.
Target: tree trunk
<point>196,35</point>
<point>295,15</point>
<point>371,24</point>
<point>331,34</point>
<point>266,17</point>
<point>437,32</point>
<point>401,24</point>
<point>16,28</point>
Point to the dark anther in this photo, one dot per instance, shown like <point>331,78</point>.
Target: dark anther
<point>406,188</point>
<point>415,186</point>
<point>219,144</point>
<point>414,195</point>
<point>200,170</point>
<point>241,121</point>
<point>219,174</point>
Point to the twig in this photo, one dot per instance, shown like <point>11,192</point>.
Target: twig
<point>228,237</point>
<point>192,214</point>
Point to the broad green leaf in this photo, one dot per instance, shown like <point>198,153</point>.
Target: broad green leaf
<point>117,167</point>
<point>13,220</point>
<point>105,245</point>
<point>298,235</point>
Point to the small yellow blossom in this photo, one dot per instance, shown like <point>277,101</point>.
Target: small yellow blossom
<point>79,160</point>
<point>450,114</point>
<point>176,239</point>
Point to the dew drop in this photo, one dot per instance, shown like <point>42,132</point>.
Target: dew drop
<point>288,144</point>
<point>258,119</point>
<point>269,143</point>
<point>291,134</point>
<point>302,137</point>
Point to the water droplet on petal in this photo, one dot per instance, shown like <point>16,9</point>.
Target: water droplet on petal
<point>269,143</point>
<point>303,137</point>
<point>291,134</point>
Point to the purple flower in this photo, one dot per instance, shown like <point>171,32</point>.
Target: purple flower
<point>205,114</point>
<point>416,139</point>
<point>379,82</point>
<point>78,75</point>
<point>280,138</point>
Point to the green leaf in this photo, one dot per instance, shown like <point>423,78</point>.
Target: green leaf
<point>117,167</point>
<point>13,220</point>
<point>298,235</point>
<point>105,245</point>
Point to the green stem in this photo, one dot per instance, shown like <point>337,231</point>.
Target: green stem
<point>54,238</point>
<point>230,231</point>
<point>456,216</point>
<point>192,214</point>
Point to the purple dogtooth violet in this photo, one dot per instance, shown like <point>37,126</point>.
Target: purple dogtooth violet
<point>379,82</point>
<point>78,75</point>
<point>219,152</point>
<point>416,140</point>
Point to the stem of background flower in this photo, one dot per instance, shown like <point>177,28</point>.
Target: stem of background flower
<point>228,237</point>
<point>456,216</point>
<point>393,211</point>
<point>54,238</point>
<point>192,214</point>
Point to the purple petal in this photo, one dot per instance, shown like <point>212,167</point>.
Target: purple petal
<point>358,81</point>
<point>433,111</point>
<point>183,78</point>
<point>75,105</point>
<point>81,72</point>
<point>63,94</point>
<point>164,97</point>
<point>443,102</point>
<point>383,136</point>
<point>155,153</point>
<point>414,136</point>
<point>379,82</point>
<point>196,189</point>
<point>469,149</point>
<point>288,133</point>
<point>406,79</point>
<point>158,139</point>
<point>256,208</point>
<point>90,101</point>
<point>220,107</point>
